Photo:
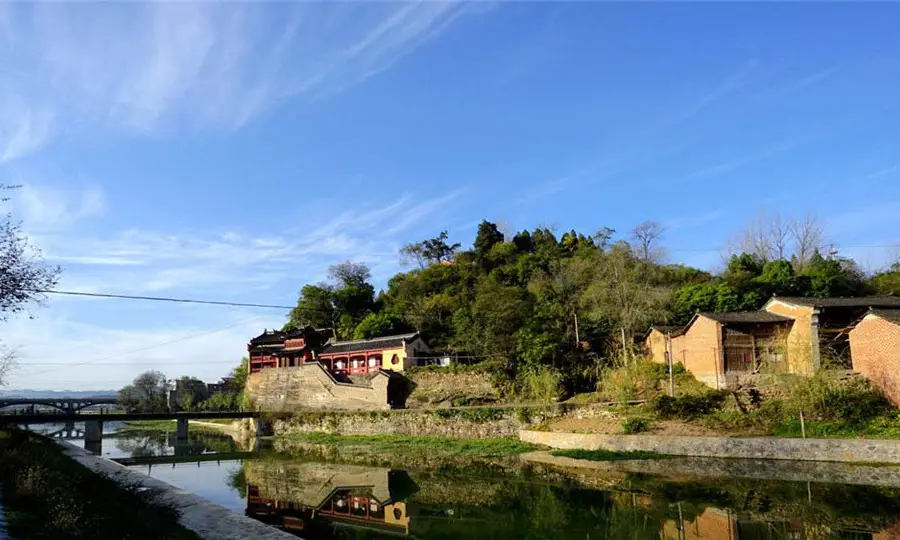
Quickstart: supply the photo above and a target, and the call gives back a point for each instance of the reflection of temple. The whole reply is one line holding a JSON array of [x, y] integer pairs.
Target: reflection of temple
[[329, 494]]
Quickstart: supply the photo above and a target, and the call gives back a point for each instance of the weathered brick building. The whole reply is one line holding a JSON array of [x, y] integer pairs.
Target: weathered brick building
[[821, 326], [714, 346], [875, 348]]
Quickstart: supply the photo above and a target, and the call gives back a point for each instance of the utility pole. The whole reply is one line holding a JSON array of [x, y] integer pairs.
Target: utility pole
[[577, 337], [624, 346], [670, 362]]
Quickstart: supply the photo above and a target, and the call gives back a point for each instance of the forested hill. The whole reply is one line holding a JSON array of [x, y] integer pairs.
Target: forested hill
[[541, 303]]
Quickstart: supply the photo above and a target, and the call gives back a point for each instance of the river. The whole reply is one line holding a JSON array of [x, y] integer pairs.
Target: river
[[320, 498]]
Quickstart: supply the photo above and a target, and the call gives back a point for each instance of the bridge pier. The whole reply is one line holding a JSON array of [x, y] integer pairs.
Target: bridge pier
[[93, 436], [182, 431]]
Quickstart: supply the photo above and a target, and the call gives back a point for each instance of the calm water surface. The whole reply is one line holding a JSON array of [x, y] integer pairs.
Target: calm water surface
[[329, 500]]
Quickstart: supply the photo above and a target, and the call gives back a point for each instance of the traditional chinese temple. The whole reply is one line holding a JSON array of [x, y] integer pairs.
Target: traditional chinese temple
[[278, 349]]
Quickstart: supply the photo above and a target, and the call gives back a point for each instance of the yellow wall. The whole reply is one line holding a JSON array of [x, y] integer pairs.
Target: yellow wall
[[712, 524], [386, 359], [802, 340], [656, 346], [700, 350]]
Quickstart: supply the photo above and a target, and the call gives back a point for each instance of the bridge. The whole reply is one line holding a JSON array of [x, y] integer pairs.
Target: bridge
[[93, 422], [66, 405]]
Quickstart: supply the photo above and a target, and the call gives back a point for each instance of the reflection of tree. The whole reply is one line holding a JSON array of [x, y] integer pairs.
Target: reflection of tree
[[162, 443], [237, 480]]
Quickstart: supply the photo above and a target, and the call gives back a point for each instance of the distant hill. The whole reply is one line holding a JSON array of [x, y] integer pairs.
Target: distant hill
[[52, 394]]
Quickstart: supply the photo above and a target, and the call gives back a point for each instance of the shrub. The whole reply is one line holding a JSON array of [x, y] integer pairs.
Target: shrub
[[542, 384], [639, 379], [687, 407], [635, 425]]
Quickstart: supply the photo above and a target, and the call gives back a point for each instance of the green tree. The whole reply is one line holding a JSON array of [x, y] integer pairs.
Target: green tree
[[315, 307], [380, 324], [488, 235], [887, 282], [239, 375], [147, 393], [489, 326]]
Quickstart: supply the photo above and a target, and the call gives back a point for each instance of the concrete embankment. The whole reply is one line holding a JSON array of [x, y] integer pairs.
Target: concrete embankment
[[209, 520], [821, 472], [842, 450]]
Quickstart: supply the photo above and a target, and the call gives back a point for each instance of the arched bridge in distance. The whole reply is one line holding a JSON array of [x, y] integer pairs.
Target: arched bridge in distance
[[68, 406]]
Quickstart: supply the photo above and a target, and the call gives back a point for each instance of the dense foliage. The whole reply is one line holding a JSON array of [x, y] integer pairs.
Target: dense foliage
[[544, 312]]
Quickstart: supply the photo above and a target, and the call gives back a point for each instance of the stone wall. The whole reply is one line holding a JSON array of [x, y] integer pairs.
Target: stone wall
[[875, 348], [462, 422], [435, 387], [309, 386], [849, 450]]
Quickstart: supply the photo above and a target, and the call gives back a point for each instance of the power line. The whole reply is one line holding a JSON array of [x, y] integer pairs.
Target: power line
[[151, 346], [159, 299]]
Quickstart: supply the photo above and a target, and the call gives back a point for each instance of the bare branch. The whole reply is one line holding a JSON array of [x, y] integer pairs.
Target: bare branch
[[646, 236], [807, 234]]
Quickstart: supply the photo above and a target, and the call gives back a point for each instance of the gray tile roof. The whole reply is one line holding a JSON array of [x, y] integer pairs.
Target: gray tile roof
[[892, 315], [745, 317], [859, 301], [385, 342]]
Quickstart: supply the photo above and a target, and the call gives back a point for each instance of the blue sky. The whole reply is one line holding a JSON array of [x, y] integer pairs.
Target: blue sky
[[234, 151]]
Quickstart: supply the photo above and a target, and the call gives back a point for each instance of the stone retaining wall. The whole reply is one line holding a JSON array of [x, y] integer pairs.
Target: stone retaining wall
[[847, 450], [209, 520], [450, 422], [309, 386], [826, 472]]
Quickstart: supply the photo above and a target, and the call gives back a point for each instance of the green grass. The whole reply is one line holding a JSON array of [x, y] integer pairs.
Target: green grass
[[608, 455], [401, 445], [50, 496]]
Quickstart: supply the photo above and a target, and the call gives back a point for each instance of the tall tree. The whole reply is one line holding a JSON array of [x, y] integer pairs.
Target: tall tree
[[7, 362], [315, 307], [646, 237], [437, 250], [147, 393], [414, 252], [488, 235], [23, 274]]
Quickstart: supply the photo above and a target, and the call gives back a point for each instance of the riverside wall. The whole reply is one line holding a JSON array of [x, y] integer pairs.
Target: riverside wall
[[309, 386], [845, 450], [463, 422], [208, 520]]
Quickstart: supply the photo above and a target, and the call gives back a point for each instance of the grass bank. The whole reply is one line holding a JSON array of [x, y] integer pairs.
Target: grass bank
[[831, 404], [608, 455], [412, 447], [47, 495]]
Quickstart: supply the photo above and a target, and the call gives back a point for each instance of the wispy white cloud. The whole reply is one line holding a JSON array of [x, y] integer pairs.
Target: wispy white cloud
[[887, 171], [152, 68], [93, 356], [730, 85], [213, 262], [695, 220], [742, 161]]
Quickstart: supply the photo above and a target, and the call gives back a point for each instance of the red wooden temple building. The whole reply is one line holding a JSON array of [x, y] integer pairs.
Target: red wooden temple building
[[277, 349]]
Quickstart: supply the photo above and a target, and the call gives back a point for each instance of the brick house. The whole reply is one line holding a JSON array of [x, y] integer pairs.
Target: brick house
[[875, 349], [821, 327], [716, 346], [657, 339]]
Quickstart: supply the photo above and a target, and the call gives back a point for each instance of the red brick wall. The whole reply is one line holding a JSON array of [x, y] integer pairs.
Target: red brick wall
[[875, 351]]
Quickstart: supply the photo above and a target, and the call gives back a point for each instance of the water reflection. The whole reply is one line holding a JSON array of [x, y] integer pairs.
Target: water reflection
[[328, 500]]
